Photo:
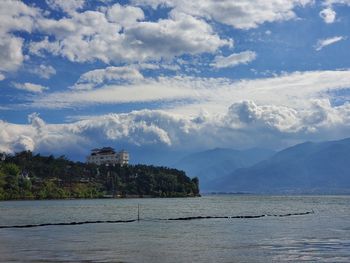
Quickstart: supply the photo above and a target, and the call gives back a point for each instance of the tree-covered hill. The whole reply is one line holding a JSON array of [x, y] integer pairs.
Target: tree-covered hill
[[28, 176]]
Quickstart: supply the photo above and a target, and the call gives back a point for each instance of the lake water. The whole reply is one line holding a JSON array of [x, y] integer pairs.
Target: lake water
[[323, 236]]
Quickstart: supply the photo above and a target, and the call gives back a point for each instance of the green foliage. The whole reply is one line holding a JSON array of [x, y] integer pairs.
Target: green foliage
[[11, 183], [2, 184], [50, 190], [28, 176]]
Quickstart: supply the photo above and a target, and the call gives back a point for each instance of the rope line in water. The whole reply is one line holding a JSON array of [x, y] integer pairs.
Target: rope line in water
[[71, 223], [157, 219], [237, 217]]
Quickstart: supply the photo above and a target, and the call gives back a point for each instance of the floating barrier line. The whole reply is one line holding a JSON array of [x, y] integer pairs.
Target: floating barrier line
[[71, 223], [237, 217], [158, 219]]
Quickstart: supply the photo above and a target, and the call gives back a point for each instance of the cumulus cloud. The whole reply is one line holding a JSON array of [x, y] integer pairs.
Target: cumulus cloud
[[243, 124], [244, 14], [279, 118], [67, 6], [328, 41], [121, 34], [136, 128], [126, 16], [43, 71], [111, 37], [23, 143], [175, 36], [2, 77], [11, 56], [14, 16], [234, 59], [328, 15], [30, 87], [11, 136]]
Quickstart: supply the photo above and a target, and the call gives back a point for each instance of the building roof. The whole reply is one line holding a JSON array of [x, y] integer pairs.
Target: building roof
[[104, 150]]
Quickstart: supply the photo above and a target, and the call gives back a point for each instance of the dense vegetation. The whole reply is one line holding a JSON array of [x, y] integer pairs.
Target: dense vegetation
[[28, 176]]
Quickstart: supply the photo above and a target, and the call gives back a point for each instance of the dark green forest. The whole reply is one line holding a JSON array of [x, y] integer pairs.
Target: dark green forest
[[26, 175]]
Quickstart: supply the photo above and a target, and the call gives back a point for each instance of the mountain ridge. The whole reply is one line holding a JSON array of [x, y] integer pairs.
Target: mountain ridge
[[321, 167], [209, 165]]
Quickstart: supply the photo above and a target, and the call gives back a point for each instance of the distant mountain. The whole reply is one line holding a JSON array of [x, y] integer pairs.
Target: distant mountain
[[305, 168], [213, 164]]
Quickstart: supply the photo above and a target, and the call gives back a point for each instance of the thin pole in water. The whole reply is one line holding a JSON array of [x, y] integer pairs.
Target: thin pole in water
[[138, 212]]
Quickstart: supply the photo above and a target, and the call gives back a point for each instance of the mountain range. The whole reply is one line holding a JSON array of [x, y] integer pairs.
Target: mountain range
[[213, 164], [322, 167]]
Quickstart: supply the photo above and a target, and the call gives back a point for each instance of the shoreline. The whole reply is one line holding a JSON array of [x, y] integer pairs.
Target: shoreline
[[95, 198]]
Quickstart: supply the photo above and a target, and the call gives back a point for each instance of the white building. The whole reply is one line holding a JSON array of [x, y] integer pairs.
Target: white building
[[108, 155]]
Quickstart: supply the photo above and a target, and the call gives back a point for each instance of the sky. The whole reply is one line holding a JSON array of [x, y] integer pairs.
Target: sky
[[172, 75]]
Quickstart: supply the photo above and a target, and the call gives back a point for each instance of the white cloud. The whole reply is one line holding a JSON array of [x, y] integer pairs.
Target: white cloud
[[37, 48], [191, 95], [23, 143], [148, 90], [43, 71], [136, 128], [14, 16], [126, 16], [328, 41], [4, 108], [93, 35], [244, 124], [11, 56], [30, 87], [243, 14], [328, 15], [178, 35], [111, 74], [118, 33], [336, 2], [199, 112], [2, 77], [234, 59], [67, 6]]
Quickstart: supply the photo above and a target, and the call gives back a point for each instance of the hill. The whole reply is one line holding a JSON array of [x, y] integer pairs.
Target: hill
[[28, 176], [304, 168], [213, 164]]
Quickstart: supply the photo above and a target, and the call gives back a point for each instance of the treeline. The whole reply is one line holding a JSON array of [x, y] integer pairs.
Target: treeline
[[28, 176]]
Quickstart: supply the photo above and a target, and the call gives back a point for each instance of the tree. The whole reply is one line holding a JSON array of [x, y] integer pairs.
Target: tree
[[49, 177], [2, 184], [11, 187]]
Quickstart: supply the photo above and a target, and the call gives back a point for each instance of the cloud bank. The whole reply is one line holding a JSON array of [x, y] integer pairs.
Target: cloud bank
[[191, 95], [244, 124], [280, 112]]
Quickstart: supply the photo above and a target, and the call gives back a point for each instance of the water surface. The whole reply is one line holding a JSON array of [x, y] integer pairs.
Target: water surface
[[320, 237]]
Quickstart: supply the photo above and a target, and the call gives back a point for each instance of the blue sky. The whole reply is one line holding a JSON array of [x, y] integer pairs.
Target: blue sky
[[172, 74]]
